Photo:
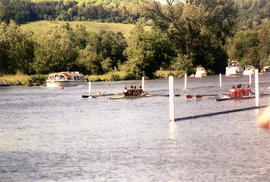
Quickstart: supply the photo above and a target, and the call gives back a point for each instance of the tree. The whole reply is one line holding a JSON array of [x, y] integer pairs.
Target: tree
[[147, 52], [108, 48], [89, 62], [17, 48], [17, 10], [55, 51], [198, 28], [244, 48]]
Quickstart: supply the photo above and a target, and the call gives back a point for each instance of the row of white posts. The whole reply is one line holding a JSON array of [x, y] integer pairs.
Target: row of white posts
[[171, 91], [220, 80]]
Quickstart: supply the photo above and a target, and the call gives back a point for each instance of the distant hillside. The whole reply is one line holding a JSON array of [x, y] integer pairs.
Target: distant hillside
[[110, 11], [95, 2], [43, 26]]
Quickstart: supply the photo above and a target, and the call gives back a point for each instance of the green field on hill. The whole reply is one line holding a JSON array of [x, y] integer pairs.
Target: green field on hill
[[43, 26]]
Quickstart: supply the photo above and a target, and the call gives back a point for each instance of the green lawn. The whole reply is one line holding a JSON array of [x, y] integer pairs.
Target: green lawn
[[43, 26]]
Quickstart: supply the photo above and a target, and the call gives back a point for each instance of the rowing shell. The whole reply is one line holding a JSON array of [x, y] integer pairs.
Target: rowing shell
[[128, 97], [234, 98]]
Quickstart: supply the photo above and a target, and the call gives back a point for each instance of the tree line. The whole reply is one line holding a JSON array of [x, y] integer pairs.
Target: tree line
[[183, 35], [22, 11]]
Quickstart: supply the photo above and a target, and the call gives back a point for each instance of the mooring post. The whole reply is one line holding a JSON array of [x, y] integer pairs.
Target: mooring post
[[89, 88], [185, 86], [257, 94], [143, 83], [220, 80], [171, 98], [250, 79]]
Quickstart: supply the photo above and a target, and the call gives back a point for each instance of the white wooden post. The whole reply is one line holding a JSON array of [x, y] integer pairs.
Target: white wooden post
[[185, 86], [220, 80], [143, 83], [171, 98], [257, 94], [250, 79], [89, 88]]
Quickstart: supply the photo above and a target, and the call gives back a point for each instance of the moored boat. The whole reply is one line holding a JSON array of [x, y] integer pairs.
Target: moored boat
[[65, 79], [233, 69], [200, 72], [266, 69], [4, 84], [249, 70]]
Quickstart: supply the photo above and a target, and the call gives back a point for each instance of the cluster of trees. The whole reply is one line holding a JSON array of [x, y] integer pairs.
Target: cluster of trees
[[61, 48], [253, 13], [184, 35], [251, 47], [22, 11]]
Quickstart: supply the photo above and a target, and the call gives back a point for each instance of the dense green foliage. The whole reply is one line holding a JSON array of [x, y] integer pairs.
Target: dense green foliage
[[198, 30], [184, 35], [22, 11], [148, 51], [16, 49]]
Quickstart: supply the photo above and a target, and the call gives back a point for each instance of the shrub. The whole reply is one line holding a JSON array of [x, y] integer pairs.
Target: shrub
[[36, 80]]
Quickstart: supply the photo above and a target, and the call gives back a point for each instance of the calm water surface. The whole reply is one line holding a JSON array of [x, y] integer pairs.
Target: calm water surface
[[55, 135]]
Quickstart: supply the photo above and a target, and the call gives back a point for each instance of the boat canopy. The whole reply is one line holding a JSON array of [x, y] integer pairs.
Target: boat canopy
[[66, 76]]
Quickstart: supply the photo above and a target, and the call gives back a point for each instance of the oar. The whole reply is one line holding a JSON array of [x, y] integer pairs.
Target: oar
[[164, 95]]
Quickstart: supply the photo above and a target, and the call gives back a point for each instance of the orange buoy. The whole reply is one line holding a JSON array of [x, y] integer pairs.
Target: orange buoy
[[264, 119]]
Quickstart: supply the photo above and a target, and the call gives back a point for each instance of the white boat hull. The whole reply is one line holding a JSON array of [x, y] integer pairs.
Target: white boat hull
[[248, 72], [200, 74], [233, 71], [65, 83]]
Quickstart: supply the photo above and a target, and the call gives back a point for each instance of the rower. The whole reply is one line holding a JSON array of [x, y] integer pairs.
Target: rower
[[239, 91], [131, 91], [140, 90], [232, 92], [135, 91], [126, 91], [247, 91]]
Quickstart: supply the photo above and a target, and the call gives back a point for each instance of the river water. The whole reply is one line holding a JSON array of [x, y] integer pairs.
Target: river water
[[51, 135]]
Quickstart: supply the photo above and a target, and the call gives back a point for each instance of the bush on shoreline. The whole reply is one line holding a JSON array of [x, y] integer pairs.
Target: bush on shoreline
[[39, 79], [167, 73]]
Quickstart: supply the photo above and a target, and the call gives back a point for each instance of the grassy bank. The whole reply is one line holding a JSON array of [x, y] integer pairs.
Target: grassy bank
[[21, 79], [43, 26], [18, 79], [111, 76]]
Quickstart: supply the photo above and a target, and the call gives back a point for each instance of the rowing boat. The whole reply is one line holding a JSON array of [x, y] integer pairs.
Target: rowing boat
[[122, 96], [225, 98]]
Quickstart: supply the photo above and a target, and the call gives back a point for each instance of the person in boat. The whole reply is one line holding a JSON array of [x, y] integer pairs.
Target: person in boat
[[126, 91], [135, 91], [247, 91], [232, 92], [140, 90], [239, 91], [130, 91]]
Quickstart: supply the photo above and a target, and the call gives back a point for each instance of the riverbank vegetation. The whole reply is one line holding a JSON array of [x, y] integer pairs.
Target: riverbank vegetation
[[176, 36]]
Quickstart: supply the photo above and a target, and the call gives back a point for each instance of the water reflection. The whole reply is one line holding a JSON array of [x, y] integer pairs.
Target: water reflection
[[172, 131]]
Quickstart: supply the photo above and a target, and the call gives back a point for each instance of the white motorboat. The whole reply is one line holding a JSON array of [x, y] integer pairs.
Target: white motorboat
[[266, 69], [200, 72], [233, 69], [65, 79], [249, 70]]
